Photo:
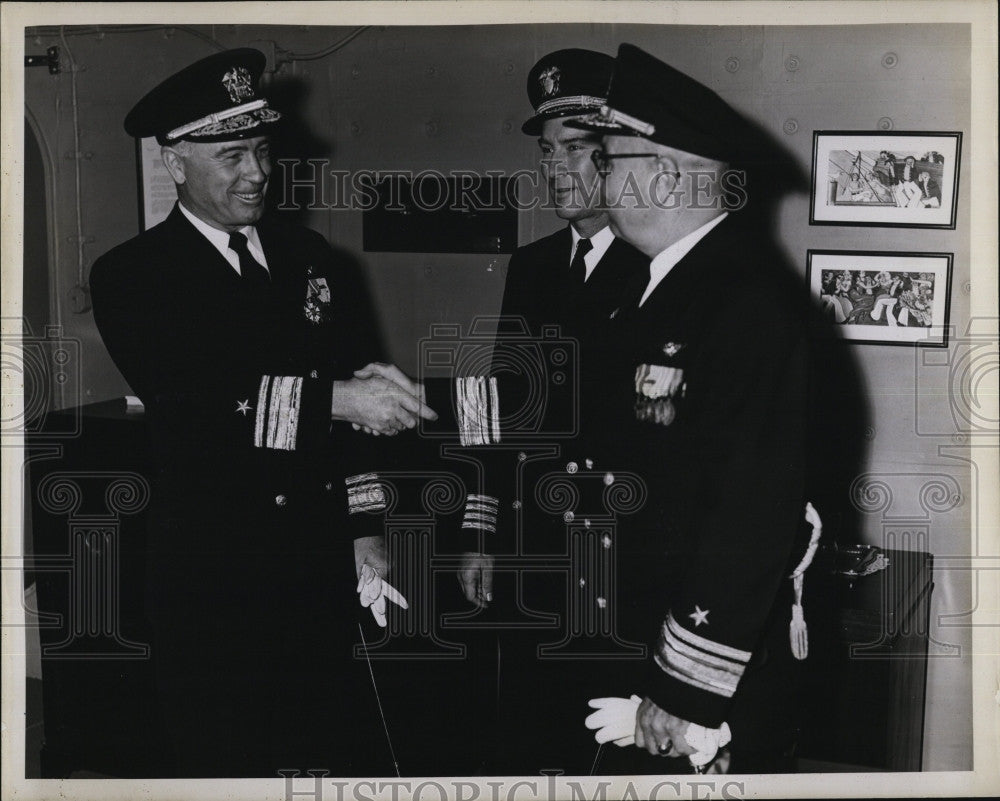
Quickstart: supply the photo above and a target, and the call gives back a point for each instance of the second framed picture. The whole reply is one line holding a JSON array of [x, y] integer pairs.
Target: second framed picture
[[884, 298], [905, 179]]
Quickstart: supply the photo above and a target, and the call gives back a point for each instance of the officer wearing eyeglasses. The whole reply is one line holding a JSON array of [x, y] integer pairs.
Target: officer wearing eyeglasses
[[707, 401]]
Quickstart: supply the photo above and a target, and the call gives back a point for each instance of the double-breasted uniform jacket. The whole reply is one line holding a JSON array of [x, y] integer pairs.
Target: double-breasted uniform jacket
[[562, 325], [707, 400], [236, 383], [250, 544]]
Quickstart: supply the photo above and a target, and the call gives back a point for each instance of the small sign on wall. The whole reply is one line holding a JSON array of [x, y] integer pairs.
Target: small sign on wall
[[157, 193]]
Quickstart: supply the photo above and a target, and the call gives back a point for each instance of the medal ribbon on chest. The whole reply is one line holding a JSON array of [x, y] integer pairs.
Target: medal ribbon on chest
[[318, 299], [656, 386]]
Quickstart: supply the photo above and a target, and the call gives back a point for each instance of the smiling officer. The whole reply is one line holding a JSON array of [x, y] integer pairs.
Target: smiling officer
[[235, 332]]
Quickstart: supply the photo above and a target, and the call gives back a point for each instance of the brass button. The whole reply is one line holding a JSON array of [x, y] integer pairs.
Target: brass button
[[280, 500]]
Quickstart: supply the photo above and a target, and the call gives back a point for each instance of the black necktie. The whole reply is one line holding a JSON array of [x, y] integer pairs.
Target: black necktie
[[253, 271], [578, 267]]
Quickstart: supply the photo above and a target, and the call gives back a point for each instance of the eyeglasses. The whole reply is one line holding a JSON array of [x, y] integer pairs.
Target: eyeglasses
[[603, 160]]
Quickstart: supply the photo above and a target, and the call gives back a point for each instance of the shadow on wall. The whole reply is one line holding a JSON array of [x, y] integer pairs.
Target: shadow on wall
[[840, 415], [294, 139]]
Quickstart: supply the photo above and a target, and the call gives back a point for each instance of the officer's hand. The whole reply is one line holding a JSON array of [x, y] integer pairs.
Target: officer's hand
[[372, 564], [394, 374], [378, 403], [475, 577], [371, 551], [659, 732]]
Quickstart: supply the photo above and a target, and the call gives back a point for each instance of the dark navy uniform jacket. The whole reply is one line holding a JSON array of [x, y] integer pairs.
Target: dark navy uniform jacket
[[250, 581], [558, 328], [707, 402], [237, 383]]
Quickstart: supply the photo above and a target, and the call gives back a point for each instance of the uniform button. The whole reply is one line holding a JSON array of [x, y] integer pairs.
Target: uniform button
[[515, 505], [522, 456], [586, 523], [589, 463], [602, 602], [583, 583], [606, 541], [572, 467], [280, 500], [568, 517], [329, 486], [313, 374], [609, 479]]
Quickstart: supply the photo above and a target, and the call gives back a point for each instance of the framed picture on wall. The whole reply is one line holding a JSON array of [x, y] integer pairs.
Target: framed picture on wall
[[157, 193], [884, 298], [899, 179]]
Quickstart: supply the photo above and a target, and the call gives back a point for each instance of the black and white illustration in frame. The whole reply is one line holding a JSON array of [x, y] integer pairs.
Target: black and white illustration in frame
[[898, 179], [885, 298]]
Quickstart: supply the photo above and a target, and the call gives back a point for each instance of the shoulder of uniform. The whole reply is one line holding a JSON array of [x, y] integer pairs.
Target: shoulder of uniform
[[544, 244], [624, 253], [132, 254]]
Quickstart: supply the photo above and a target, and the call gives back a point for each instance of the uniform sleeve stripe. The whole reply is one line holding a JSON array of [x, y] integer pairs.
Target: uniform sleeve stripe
[[365, 494], [262, 395], [494, 409], [481, 513], [704, 644], [492, 529], [696, 680], [669, 645], [478, 406], [361, 478], [277, 422], [484, 499]]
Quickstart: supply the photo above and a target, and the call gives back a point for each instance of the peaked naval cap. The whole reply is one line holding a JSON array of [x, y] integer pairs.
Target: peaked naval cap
[[567, 83], [651, 99], [213, 100]]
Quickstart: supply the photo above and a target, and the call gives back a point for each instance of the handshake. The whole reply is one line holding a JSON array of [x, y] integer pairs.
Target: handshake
[[380, 399]]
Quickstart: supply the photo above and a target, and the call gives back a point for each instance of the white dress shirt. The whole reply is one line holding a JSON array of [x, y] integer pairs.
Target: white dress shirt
[[665, 260], [220, 240], [599, 244]]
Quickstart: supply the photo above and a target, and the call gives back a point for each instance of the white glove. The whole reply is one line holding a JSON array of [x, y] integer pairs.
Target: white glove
[[614, 719], [374, 590], [615, 722]]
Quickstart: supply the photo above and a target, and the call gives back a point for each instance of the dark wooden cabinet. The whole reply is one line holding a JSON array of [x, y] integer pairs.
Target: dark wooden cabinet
[[867, 666]]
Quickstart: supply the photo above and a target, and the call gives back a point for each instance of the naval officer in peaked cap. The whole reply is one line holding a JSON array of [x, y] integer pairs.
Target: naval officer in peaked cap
[[707, 398], [558, 295], [567, 281], [235, 331]]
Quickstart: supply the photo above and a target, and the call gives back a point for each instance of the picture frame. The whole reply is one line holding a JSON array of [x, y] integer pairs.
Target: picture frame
[[157, 193], [884, 297], [898, 179]]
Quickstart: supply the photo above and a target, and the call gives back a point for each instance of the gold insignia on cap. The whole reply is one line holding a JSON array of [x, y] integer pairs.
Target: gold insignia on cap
[[238, 84], [549, 79]]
